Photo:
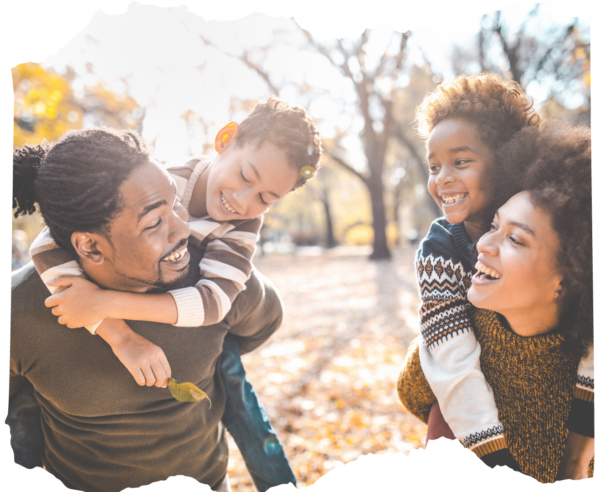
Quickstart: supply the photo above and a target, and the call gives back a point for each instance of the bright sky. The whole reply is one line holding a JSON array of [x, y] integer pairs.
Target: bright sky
[[158, 49]]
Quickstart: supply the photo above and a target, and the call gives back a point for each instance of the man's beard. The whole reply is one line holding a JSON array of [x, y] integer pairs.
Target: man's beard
[[188, 277]]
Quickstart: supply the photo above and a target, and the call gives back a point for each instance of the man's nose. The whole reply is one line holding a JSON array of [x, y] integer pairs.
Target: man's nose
[[179, 228]]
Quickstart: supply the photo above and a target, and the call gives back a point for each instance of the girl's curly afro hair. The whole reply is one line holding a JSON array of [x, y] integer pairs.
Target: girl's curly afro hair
[[497, 108], [555, 166]]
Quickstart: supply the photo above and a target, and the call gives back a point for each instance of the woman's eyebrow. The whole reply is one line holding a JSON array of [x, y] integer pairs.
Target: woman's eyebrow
[[525, 227]]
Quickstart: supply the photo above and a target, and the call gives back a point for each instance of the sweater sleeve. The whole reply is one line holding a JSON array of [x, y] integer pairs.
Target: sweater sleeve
[[224, 270], [450, 353], [51, 261], [581, 416]]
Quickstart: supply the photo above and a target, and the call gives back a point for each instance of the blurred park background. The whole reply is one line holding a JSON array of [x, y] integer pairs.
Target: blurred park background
[[341, 248]]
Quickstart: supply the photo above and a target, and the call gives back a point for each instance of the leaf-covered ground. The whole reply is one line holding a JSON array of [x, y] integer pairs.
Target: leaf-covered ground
[[327, 377]]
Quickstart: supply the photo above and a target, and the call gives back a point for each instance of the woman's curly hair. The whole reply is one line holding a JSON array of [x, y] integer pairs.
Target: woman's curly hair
[[497, 108], [555, 165], [288, 127]]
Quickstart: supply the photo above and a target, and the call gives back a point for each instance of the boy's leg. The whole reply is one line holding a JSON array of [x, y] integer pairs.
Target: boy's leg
[[248, 424], [24, 420]]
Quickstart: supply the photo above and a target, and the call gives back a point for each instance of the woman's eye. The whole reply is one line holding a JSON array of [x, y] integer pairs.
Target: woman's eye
[[514, 240], [243, 177]]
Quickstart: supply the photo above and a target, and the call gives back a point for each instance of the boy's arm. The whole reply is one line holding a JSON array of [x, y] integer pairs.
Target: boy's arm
[[451, 358], [51, 262], [224, 271]]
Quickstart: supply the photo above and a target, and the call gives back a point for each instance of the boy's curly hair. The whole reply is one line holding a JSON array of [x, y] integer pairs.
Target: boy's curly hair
[[497, 108], [558, 175], [288, 127]]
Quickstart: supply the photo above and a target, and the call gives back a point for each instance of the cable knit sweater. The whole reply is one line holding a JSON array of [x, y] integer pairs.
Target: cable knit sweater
[[533, 383]]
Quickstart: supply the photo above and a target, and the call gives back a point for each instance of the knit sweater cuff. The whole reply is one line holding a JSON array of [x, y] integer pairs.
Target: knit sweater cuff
[[487, 442], [501, 457], [581, 417], [190, 310]]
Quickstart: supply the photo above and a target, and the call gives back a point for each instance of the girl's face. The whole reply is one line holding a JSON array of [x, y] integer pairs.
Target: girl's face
[[457, 163], [518, 275]]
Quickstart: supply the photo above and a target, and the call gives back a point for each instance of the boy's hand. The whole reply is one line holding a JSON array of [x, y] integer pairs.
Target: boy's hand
[[81, 303], [145, 361]]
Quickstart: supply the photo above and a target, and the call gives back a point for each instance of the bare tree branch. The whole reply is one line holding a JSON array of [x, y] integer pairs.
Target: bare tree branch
[[345, 165]]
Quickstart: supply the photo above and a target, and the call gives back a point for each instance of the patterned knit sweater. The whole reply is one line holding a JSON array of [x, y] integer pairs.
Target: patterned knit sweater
[[451, 359], [533, 384], [225, 267]]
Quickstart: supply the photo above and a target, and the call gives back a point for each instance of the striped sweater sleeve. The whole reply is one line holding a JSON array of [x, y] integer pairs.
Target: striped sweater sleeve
[[449, 354], [51, 261], [224, 270], [581, 416]]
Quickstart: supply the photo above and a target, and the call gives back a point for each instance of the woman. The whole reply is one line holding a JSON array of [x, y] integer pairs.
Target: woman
[[534, 288]]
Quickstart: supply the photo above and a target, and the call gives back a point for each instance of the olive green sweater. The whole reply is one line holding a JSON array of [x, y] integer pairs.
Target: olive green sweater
[[103, 432], [532, 381]]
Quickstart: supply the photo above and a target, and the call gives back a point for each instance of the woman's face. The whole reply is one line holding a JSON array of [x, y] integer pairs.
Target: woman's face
[[518, 273]]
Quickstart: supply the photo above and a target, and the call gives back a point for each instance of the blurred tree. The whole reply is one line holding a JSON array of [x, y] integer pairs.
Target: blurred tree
[[554, 57], [376, 86]]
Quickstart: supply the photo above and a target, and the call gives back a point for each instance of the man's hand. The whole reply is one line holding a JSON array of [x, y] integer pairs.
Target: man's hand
[[81, 303], [145, 361]]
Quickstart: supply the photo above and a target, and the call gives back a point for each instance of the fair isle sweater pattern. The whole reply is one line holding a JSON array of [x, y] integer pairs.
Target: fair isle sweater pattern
[[224, 268], [451, 357]]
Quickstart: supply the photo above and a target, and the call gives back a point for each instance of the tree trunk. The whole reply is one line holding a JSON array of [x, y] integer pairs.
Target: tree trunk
[[380, 247], [330, 241]]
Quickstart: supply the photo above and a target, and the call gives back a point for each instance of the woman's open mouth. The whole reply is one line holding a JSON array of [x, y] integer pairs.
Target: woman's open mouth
[[227, 206], [485, 274]]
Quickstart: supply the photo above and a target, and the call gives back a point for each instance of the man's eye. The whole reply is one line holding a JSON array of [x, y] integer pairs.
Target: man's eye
[[177, 202], [243, 177], [155, 225]]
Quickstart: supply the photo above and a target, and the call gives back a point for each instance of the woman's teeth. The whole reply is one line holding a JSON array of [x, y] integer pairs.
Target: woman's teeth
[[227, 206], [452, 198], [486, 270], [176, 256]]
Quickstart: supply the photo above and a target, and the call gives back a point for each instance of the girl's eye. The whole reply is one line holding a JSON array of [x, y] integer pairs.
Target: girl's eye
[[433, 169], [261, 199], [460, 162], [493, 227], [243, 177]]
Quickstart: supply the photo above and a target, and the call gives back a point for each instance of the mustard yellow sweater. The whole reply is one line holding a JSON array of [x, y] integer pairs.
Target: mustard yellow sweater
[[533, 383]]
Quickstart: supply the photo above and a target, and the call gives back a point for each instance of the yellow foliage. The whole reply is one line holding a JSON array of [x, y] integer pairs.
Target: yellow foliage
[[360, 235], [44, 105]]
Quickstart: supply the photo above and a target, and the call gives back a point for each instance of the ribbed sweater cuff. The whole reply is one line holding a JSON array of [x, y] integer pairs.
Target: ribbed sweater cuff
[[190, 310], [92, 328], [581, 417], [489, 445], [501, 457]]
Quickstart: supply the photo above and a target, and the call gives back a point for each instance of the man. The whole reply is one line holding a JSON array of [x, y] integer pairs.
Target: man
[[103, 432]]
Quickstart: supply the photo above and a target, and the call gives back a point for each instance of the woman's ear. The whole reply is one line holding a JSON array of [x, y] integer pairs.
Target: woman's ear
[[87, 247], [226, 135]]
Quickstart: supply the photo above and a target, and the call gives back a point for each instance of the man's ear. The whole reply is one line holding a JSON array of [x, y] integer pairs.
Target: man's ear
[[226, 135], [87, 247]]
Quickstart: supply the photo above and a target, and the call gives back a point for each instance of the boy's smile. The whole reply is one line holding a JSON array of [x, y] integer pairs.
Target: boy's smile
[[457, 162]]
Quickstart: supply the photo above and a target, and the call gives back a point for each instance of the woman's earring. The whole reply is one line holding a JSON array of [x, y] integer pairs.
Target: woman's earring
[[556, 294]]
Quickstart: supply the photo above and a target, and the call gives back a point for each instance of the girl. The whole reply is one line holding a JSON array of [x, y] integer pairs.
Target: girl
[[465, 122]]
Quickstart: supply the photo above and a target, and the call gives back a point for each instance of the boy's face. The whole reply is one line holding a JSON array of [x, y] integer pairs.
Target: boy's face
[[243, 182], [457, 163]]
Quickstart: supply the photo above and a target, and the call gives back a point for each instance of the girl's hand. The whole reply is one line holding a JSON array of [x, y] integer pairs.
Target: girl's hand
[[145, 361], [81, 303]]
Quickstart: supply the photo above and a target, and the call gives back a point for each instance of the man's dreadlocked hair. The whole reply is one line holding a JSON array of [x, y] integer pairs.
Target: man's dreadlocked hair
[[289, 127], [76, 180], [556, 168]]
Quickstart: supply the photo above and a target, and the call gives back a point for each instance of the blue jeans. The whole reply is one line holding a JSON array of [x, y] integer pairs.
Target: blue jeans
[[244, 417]]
